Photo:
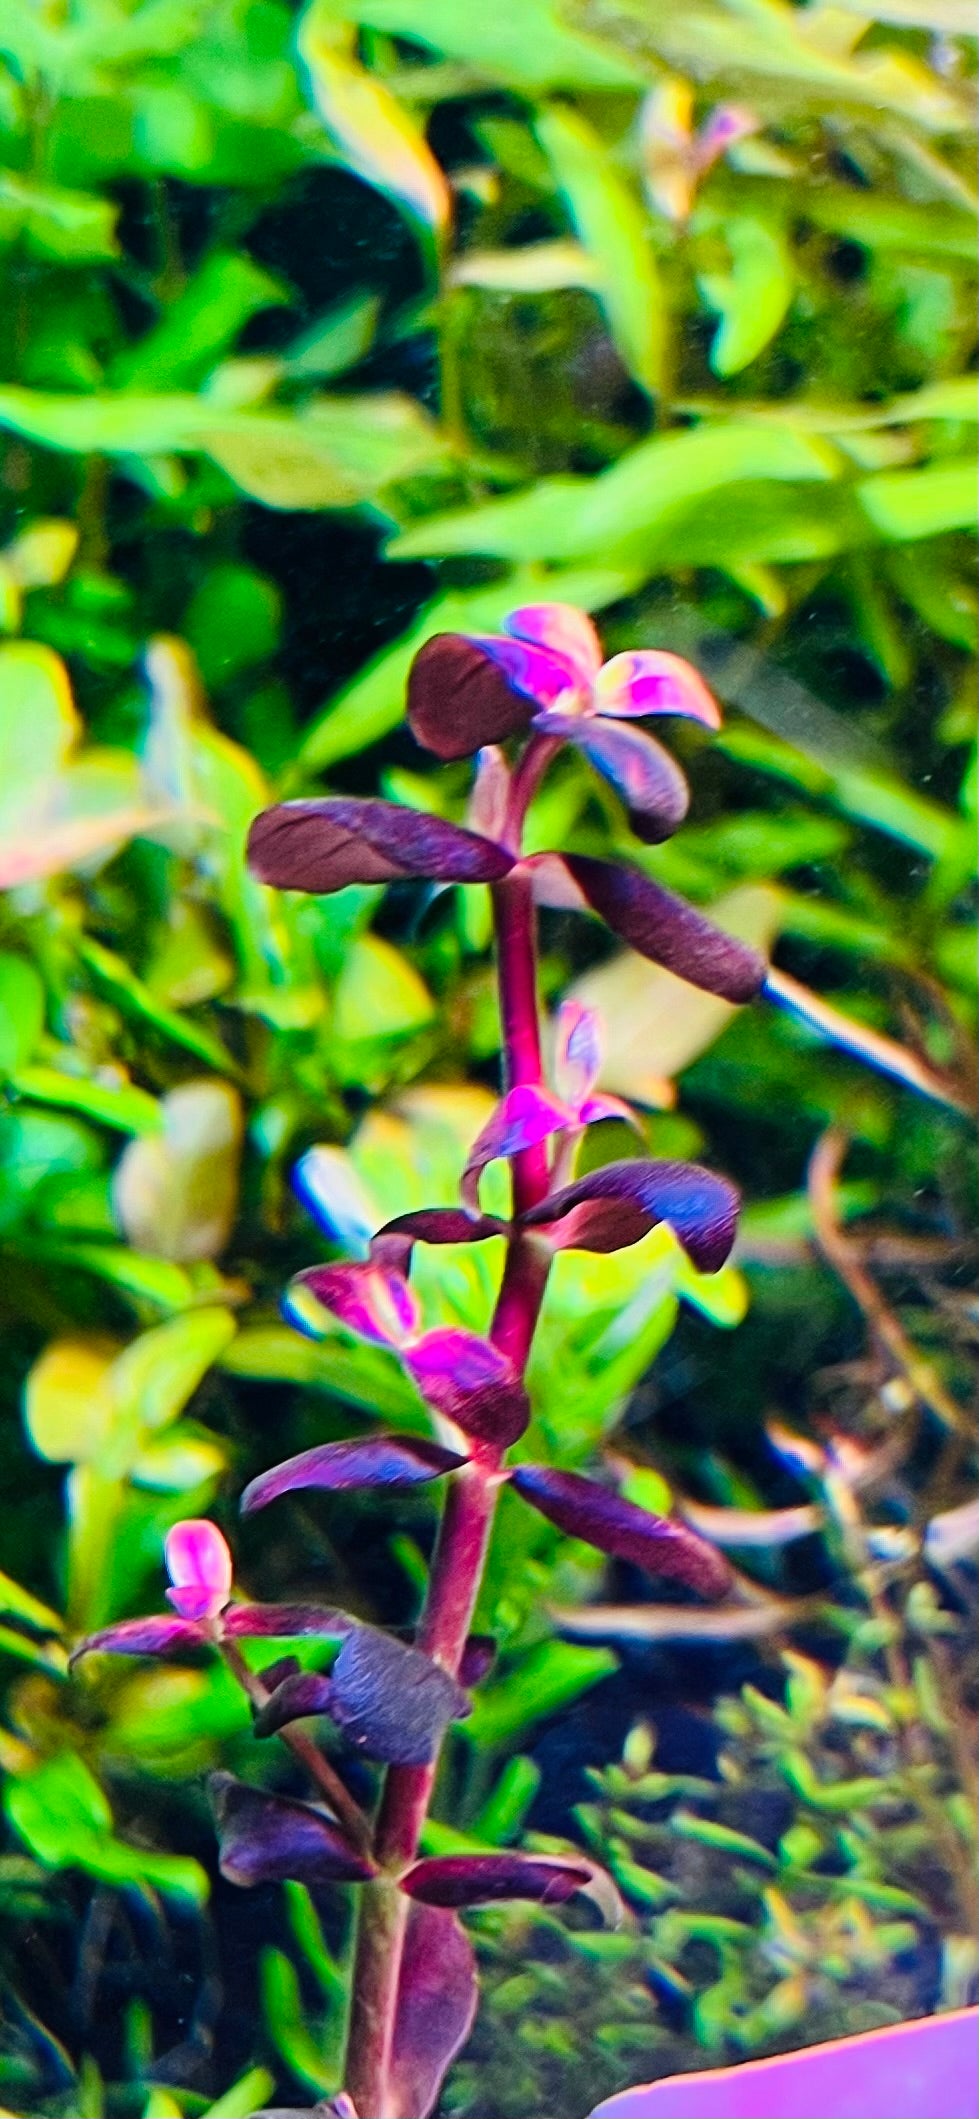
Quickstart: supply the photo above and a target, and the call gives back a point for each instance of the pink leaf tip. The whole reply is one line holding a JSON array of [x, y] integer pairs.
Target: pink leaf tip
[[200, 1568]]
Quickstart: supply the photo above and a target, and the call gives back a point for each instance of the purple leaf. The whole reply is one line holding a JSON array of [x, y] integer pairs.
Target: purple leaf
[[285, 1622], [324, 845], [478, 1657], [392, 1702], [536, 672], [301, 1693], [154, 1636], [479, 1879], [654, 922], [615, 1206], [265, 1839], [470, 1382], [459, 701], [563, 629], [578, 1051], [366, 1297], [437, 1997], [648, 681], [523, 1117], [924, 2070], [585, 1510], [378, 1460], [393, 1244], [648, 780]]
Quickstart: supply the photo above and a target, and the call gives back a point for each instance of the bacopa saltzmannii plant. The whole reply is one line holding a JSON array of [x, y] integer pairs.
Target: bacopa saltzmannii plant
[[540, 685]]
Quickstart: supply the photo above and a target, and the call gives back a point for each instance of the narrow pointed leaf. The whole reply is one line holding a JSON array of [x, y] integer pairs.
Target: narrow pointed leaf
[[154, 1636], [392, 1702], [459, 701], [300, 1693], [377, 1460], [470, 1382], [585, 1510], [648, 681], [878, 1051], [285, 1622], [660, 926], [480, 1879], [523, 1117], [265, 1839], [648, 780], [563, 629], [367, 1298], [322, 846], [616, 1205], [437, 1996]]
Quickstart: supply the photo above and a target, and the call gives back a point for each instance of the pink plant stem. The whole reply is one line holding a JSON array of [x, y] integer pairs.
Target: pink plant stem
[[463, 1539]]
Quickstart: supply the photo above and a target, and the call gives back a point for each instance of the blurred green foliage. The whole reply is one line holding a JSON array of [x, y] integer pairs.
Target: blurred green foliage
[[323, 331]]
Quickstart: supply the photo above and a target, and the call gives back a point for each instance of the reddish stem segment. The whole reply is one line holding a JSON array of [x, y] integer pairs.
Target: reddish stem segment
[[464, 1534]]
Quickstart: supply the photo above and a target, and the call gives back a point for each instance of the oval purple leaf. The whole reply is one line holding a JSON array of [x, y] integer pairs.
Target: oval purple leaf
[[437, 1995], [655, 923], [266, 1839], [368, 1298], [615, 1206], [479, 1879], [585, 1510], [459, 701], [642, 773], [323, 845], [285, 1622], [651, 681], [154, 1636], [562, 628], [471, 1383], [392, 1702], [377, 1460]]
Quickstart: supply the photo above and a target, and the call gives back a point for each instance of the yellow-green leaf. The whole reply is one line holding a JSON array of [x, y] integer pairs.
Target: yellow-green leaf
[[611, 225], [377, 137]]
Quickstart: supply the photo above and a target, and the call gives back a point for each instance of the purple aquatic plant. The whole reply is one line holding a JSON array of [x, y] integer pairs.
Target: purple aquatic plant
[[540, 685]]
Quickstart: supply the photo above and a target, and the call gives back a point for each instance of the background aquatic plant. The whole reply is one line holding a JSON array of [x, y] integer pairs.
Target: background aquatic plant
[[699, 323]]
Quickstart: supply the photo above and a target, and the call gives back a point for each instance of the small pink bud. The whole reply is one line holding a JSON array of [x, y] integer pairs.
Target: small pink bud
[[199, 1566]]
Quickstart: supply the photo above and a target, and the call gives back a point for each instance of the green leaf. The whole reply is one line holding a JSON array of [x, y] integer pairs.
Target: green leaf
[[376, 135], [19, 1603], [154, 1377], [904, 505], [39, 728], [122, 1105], [523, 44], [220, 298], [74, 227], [245, 2096], [379, 993], [21, 1011], [610, 224], [753, 297], [116, 978], [721, 1837], [62, 1814], [568, 518], [546, 1678]]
